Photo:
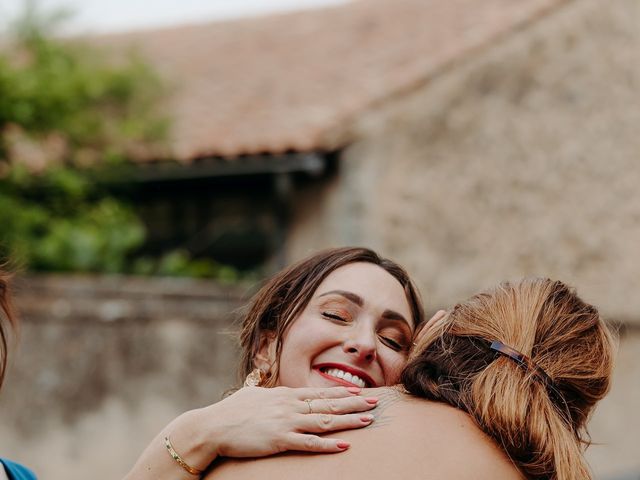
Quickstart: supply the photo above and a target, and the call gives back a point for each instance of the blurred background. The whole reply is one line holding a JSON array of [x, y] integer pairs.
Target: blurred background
[[156, 164]]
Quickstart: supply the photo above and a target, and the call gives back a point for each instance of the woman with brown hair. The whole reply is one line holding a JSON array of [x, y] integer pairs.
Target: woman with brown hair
[[501, 387], [8, 321], [340, 320]]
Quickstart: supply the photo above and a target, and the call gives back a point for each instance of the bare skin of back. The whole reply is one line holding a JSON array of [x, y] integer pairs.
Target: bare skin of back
[[410, 439]]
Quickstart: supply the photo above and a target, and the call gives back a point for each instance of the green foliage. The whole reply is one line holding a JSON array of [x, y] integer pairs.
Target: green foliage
[[59, 221], [70, 116], [178, 263], [64, 107], [102, 110]]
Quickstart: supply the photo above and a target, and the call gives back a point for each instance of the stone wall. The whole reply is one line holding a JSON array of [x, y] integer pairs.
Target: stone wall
[[105, 362]]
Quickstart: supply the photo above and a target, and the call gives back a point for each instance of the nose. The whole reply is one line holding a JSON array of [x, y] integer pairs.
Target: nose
[[362, 345]]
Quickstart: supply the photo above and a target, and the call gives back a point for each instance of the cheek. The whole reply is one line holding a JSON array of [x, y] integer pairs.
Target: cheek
[[293, 357], [285, 373], [394, 363]]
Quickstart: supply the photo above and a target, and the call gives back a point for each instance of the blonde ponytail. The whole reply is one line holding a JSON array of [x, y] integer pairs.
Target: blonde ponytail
[[537, 409]]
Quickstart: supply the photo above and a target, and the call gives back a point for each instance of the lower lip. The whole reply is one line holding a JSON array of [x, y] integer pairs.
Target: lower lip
[[337, 380]]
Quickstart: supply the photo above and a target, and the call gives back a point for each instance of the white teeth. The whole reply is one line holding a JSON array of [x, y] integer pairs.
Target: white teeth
[[346, 376], [358, 381]]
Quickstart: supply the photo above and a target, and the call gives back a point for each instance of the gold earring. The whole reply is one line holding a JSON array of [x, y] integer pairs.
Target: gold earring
[[255, 378]]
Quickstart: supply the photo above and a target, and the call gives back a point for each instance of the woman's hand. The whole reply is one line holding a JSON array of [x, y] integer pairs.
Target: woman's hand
[[254, 422]]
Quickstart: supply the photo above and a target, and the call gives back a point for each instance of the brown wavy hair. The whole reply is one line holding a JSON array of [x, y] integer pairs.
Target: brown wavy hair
[[539, 419], [279, 302], [8, 320]]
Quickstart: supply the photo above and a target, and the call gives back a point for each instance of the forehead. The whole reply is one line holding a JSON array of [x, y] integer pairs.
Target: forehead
[[377, 287]]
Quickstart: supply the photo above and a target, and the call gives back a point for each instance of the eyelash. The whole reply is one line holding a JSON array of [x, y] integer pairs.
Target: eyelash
[[392, 344], [333, 316]]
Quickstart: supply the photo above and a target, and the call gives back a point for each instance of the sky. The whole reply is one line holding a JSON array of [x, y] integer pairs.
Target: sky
[[99, 16]]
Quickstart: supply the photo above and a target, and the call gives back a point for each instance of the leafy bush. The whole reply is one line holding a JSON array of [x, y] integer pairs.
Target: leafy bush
[[178, 263], [70, 117], [58, 221]]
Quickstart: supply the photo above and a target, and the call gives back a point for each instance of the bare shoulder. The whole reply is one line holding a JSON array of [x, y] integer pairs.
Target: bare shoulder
[[410, 438], [444, 440]]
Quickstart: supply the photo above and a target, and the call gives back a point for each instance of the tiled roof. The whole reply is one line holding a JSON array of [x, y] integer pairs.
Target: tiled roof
[[292, 82]]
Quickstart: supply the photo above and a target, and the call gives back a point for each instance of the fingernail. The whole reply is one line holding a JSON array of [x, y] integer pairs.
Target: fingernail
[[354, 389], [371, 400], [343, 445], [366, 418]]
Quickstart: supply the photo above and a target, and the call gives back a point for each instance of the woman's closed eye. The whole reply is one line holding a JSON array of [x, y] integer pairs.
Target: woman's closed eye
[[394, 339], [337, 316], [391, 343]]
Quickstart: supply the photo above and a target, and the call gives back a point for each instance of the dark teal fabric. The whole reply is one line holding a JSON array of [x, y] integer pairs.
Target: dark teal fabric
[[16, 471]]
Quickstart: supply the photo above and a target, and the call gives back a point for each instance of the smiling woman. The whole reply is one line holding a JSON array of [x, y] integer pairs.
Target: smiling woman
[[355, 331], [369, 300], [317, 332]]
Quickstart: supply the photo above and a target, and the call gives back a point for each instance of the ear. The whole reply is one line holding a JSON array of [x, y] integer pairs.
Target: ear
[[440, 314], [265, 357]]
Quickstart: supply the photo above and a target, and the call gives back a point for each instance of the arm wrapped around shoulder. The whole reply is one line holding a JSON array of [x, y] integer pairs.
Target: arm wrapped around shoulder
[[528, 361]]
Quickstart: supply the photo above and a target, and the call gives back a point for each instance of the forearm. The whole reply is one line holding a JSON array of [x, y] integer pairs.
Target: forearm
[[254, 422], [195, 444]]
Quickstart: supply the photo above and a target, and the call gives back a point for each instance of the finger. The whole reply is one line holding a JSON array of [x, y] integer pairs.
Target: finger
[[330, 392], [338, 406], [325, 422], [312, 443]]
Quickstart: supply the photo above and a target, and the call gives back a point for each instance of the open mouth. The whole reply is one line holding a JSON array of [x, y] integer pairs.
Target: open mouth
[[344, 376]]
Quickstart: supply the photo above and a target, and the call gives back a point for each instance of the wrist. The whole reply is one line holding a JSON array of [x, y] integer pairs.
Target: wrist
[[192, 439], [213, 429], [179, 460]]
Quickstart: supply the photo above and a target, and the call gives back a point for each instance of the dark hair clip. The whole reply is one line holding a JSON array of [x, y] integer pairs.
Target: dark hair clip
[[507, 351], [538, 372], [521, 360]]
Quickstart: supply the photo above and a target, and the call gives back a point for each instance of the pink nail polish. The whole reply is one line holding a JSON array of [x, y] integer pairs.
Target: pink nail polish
[[343, 445], [366, 418], [354, 389], [371, 400]]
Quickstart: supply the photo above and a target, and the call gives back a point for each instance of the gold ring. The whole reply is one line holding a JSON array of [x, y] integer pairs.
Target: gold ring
[[308, 400]]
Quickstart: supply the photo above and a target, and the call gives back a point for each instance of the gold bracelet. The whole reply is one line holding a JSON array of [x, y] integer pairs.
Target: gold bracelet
[[178, 458]]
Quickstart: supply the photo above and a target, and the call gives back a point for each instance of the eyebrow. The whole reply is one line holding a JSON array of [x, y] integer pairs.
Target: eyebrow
[[358, 300]]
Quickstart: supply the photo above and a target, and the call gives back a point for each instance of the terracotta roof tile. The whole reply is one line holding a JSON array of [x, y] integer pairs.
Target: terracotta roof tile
[[287, 82]]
